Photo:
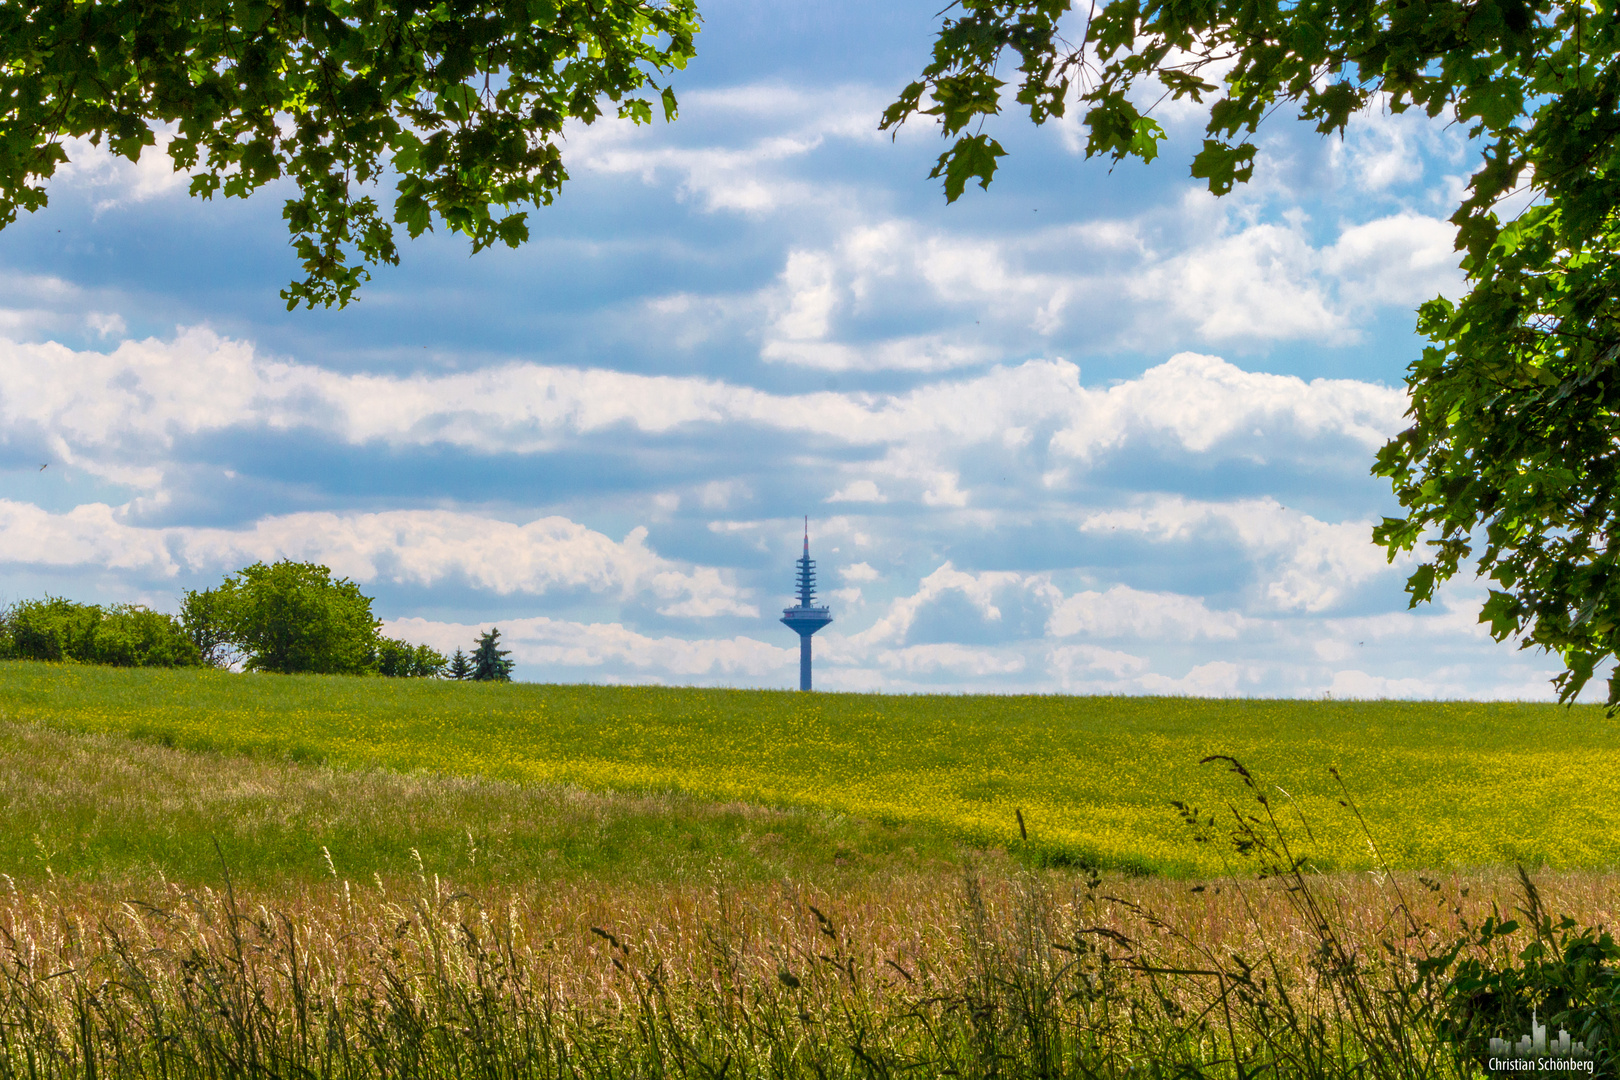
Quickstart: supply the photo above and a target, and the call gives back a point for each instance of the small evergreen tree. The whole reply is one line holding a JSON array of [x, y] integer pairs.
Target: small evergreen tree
[[460, 667], [490, 664]]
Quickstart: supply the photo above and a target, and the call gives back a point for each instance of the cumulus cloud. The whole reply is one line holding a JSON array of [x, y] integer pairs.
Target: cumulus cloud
[[542, 643], [858, 491], [1382, 150], [116, 413], [1269, 280], [820, 293], [960, 660], [1199, 401], [416, 547], [1218, 678], [118, 181], [1203, 271], [979, 589], [1400, 260], [1309, 564], [1122, 611], [93, 535], [1079, 666], [736, 148], [1119, 611], [1256, 283], [1354, 683]]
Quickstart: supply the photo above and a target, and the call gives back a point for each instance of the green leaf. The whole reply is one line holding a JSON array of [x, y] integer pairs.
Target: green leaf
[[1223, 165], [971, 157]]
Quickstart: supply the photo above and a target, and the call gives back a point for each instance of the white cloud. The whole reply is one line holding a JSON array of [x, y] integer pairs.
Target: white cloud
[[1309, 563], [979, 589], [1218, 678], [1208, 270], [1354, 683], [720, 494], [1381, 150], [759, 133], [418, 547], [116, 413], [1199, 401], [961, 660], [541, 643], [105, 325], [1401, 260], [858, 491], [1072, 662], [1125, 612], [1260, 282], [857, 572], [92, 535], [871, 268], [119, 180]]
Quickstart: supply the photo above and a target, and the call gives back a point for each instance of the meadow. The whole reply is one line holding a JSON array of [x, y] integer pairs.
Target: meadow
[[1440, 785], [205, 874], [534, 930]]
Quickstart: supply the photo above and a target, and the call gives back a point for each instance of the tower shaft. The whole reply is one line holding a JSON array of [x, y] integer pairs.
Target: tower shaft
[[805, 618]]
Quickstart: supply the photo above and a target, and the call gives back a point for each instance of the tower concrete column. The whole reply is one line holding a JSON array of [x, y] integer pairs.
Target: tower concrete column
[[805, 618]]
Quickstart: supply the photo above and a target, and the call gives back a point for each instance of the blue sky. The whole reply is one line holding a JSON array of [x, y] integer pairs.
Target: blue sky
[[1090, 431]]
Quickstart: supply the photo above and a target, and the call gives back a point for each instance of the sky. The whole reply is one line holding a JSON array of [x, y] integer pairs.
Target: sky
[[1093, 430]]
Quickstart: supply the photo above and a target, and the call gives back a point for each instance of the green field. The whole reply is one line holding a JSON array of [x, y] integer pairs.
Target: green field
[[1440, 784]]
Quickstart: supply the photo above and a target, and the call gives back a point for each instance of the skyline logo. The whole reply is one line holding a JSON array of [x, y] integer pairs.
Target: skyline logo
[[1533, 1052]]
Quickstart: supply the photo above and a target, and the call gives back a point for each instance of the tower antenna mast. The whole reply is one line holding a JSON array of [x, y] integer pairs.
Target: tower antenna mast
[[806, 617]]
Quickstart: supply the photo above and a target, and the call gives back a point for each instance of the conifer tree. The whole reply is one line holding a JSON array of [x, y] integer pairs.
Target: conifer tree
[[460, 667], [489, 663]]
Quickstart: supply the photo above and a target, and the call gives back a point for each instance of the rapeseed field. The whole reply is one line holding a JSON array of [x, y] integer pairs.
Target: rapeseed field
[[1452, 784]]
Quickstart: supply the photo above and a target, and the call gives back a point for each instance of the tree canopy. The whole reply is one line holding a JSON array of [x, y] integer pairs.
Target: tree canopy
[[290, 617], [1511, 462], [461, 104]]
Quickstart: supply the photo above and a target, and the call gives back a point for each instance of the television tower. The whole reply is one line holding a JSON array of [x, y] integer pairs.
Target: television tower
[[806, 618]]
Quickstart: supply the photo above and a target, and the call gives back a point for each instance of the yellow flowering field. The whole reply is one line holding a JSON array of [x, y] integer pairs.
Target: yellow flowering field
[[1449, 784]]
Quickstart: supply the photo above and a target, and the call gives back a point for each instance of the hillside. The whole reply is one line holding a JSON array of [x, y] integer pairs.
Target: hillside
[[1439, 784]]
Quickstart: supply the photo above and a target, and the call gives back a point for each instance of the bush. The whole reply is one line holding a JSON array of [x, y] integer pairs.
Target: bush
[[133, 636], [54, 629], [125, 635], [402, 660]]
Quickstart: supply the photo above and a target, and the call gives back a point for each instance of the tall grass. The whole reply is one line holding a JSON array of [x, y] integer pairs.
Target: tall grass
[[1275, 971], [1017, 980]]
